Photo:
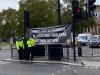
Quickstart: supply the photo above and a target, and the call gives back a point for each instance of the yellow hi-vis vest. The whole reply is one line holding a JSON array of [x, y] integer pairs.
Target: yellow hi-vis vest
[[32, 41], [19, 44], [29, 43]]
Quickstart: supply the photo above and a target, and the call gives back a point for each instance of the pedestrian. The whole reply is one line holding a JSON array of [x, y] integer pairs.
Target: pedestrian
[[20, 47], [33, 47], [68, 43], [31, 44]]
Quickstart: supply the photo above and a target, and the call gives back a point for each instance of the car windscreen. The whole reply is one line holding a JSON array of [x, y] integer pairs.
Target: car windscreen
[[95, 38], [82, 37]]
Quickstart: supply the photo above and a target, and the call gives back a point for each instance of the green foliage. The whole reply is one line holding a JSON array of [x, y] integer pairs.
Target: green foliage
[[67, 17], [7, 28], [42, 14]]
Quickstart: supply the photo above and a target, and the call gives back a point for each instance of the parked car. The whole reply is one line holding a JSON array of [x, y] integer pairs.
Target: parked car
[[95, 41], [96, 35], [84, 38]]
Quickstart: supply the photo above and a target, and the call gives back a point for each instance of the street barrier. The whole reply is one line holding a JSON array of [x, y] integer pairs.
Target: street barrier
[[39, 50], [59, 52], [79, 51], [55, 52]]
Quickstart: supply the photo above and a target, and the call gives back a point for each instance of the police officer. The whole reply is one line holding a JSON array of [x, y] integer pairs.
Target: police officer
[[20, 47], [31, 44], [33, 47]]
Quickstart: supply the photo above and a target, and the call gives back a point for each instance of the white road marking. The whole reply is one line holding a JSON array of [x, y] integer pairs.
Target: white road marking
[[85, 67], [68, 68], [64, 69], [96, 68], [52, 74], [58, 72], [91, 67]]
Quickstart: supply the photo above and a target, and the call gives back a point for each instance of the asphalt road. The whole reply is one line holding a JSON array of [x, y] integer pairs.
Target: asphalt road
[[16, 68], [24, 68]]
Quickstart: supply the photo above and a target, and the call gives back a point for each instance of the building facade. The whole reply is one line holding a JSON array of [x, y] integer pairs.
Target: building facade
[[96, 29]]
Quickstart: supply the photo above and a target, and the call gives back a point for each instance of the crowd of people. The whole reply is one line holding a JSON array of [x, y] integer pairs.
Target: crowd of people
[[25, 52]]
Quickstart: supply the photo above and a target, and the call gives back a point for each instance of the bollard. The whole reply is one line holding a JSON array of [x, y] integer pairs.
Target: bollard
[[79, 51], [11, 52], [68, 54]]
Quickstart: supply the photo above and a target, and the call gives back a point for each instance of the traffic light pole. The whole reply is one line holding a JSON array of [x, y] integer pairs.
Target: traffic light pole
[[73, 30], [59, 12], [24, 30], [26, 25]]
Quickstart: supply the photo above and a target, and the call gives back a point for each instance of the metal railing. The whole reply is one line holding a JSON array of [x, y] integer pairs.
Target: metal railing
[[67, 53]]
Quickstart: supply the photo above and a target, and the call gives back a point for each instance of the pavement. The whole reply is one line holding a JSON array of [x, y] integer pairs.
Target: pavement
[[51, 62], [5, 55], [83, 61], [90, 61]]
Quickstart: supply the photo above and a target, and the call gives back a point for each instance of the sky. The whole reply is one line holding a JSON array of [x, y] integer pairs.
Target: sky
[[98, 2], [4, 4]]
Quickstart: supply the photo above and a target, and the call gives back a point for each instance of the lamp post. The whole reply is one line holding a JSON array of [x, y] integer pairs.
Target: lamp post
[[59, 12], [26, 23]]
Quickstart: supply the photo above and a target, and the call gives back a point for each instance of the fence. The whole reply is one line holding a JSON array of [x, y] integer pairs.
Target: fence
[[65, 56], [86, 51]]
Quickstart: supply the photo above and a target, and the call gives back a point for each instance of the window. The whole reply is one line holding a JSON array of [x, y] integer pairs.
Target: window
[[98, 30], [88, 29]]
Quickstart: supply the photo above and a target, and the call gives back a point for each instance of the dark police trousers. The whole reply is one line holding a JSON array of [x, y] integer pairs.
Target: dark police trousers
[[20, 53], [30, 54]]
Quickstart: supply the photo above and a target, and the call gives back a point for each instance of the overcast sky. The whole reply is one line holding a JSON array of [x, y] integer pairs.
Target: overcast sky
[[98, 2], [4, 4]]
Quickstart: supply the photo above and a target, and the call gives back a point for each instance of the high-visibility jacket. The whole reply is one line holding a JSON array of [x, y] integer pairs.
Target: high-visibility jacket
[[30, 42], [19, 44]]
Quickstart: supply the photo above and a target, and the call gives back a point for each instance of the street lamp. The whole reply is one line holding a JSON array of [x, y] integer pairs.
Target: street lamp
[[59, 12], [26, 22]]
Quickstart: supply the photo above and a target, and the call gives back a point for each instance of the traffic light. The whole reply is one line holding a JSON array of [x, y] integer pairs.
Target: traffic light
[[26, 19], [77, 11], [91, 7]]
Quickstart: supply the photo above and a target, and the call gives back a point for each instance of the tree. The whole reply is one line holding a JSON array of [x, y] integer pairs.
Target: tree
[[42, 13], [67, 17], [8, 22]]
